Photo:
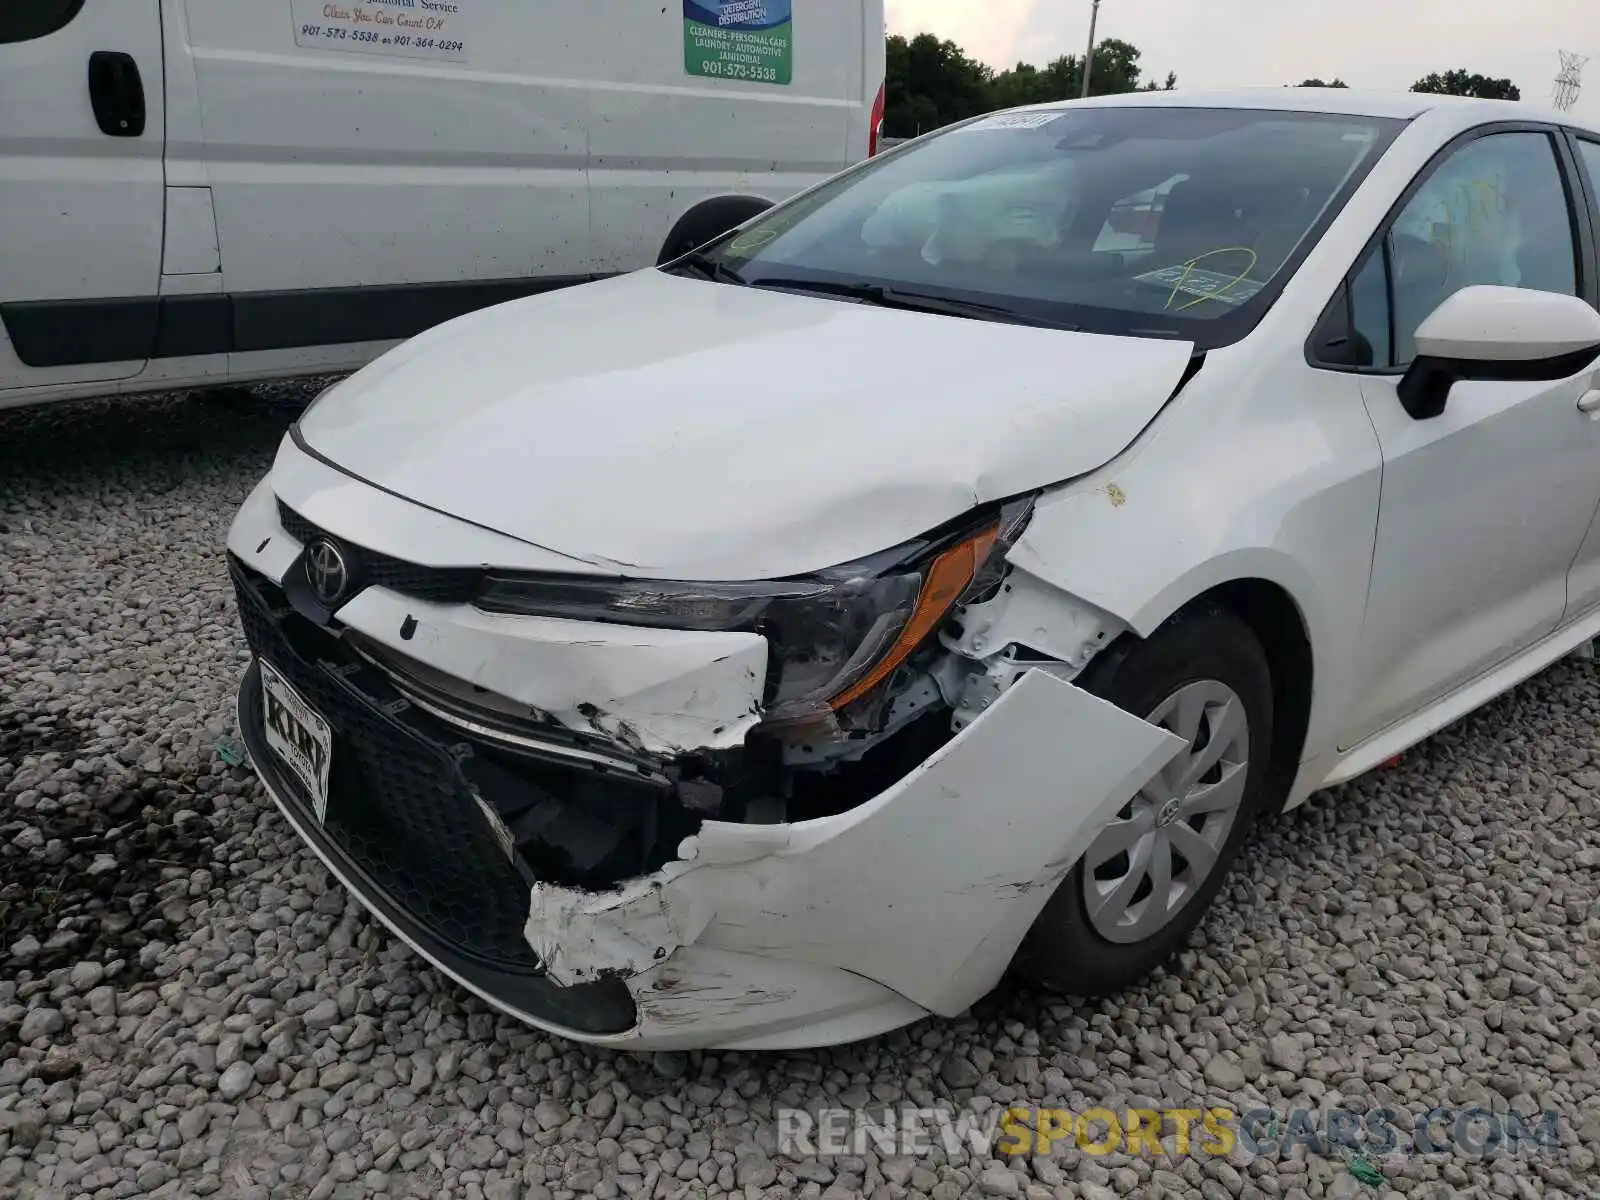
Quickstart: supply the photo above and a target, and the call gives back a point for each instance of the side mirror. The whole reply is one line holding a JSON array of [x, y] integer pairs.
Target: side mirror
[[1506, 333]]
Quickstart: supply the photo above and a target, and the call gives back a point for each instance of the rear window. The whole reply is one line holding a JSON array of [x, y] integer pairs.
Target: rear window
[[1161, 221]]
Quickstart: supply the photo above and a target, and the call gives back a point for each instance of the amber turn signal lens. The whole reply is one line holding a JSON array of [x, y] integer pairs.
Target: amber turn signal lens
[[948, 577]]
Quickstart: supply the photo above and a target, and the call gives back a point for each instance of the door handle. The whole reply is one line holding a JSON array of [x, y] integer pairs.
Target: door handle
[[1590, 401], [117, 93]]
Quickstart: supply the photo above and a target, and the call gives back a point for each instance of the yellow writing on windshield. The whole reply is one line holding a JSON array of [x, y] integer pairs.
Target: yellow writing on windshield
[[1191, 264]]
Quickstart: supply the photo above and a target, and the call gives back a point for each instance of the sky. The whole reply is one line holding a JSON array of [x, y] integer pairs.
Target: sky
[[1385, 44]]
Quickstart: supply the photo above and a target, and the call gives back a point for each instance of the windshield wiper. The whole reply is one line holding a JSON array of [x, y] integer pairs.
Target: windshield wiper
[[709, 268], [891, 297]]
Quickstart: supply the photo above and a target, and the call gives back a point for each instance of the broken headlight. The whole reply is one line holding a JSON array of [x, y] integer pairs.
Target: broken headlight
[[832, 637]]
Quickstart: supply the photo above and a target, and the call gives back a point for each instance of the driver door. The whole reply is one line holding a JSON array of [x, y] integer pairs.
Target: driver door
[[1484, 506]]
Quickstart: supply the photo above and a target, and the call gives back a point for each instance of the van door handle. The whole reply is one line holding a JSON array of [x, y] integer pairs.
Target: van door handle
[[1590, 401], [117, 93]]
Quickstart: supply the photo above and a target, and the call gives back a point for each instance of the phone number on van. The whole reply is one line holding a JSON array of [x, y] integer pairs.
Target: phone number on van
[[399, 40], [353, 25], [734, 70]]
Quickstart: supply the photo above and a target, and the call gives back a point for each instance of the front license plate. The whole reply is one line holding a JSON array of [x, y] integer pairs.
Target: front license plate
[[298, 736]]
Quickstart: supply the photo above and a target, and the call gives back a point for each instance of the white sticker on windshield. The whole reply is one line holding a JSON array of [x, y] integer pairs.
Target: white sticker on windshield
[[1208, 285], [1021, 120]]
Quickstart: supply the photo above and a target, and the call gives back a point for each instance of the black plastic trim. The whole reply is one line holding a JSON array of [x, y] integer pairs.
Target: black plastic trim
[[190, 325], [1427, 381], [1588, 185], [328, 316], [65, 333], [601, 1008]]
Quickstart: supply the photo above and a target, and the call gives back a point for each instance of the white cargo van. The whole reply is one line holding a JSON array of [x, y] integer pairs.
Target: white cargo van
[[199, 191]]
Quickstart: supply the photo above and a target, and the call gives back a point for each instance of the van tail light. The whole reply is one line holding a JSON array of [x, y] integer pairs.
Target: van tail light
[[876, 129]]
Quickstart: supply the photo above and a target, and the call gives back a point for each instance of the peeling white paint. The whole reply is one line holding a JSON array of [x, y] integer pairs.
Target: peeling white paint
[[1028, 611], [734, 1001], [701, 997], [582, 935], [927, 888], [662, 691]]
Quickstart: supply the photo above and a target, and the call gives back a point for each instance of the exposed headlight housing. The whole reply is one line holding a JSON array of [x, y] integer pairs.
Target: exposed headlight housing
[[833, 637]]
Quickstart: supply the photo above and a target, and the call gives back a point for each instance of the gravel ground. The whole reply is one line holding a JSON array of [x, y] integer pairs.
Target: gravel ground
[[190, 1006]]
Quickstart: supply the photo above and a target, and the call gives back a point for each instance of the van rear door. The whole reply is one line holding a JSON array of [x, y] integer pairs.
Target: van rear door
[[701, 98], [82, 122]]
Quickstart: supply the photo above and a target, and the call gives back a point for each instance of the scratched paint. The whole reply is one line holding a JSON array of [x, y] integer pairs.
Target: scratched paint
[[991, 817]]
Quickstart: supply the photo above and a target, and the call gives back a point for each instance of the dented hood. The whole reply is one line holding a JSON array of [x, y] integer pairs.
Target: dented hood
[[677, 428]]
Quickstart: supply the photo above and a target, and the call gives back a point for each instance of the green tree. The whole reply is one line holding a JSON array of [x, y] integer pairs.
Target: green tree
[[1334, 83], [1460, 83], [931, 83], [1021, 84], [1116, 70]]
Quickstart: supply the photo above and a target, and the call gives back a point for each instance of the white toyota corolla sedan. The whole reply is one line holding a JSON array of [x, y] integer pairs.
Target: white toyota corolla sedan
[[939, 572]]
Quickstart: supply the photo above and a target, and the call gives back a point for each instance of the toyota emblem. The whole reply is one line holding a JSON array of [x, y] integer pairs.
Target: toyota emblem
[[326, 571]]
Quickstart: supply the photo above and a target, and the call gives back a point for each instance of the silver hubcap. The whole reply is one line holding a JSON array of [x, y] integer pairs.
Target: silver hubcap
[[1148, 862]]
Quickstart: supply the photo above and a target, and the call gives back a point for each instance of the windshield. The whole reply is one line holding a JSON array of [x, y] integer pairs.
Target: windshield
[[1158, 221]]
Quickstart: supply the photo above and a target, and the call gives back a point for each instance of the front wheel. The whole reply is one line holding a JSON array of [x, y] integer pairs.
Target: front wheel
[[1147, 878]]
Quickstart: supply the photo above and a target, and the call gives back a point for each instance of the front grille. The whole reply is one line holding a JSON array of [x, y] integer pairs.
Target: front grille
[[439, 585], [400, 807]]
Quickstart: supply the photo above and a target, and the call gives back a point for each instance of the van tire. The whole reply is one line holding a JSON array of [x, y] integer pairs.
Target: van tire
[[708, 220]]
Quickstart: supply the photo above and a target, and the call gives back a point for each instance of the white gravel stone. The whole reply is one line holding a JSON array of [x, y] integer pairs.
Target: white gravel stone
[[41, 1023], [322, 1015], [1224, 1073], [213, 1016], [236, 1081], [86, 975]]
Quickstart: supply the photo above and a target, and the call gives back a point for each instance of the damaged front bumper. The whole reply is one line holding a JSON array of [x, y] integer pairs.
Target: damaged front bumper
[[532, 878]]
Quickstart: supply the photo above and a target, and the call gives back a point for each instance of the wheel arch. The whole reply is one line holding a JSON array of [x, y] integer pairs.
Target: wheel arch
[[1279, 623], [1276, 620], [707, 219]]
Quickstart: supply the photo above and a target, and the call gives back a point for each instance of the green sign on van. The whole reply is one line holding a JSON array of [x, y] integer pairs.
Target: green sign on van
[[748, 40]]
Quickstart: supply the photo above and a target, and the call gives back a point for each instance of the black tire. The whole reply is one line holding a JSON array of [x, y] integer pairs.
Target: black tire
[[708, 220], [1063, 951]]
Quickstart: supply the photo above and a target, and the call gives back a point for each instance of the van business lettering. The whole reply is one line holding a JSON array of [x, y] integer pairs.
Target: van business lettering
[[748, 40], [429, 29]]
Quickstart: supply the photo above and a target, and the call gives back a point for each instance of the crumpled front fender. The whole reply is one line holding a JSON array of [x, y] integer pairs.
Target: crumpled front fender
[[927, 888]]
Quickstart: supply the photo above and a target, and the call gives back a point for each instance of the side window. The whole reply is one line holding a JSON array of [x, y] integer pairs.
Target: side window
[[1494, 212], [1590, 152], [1369, 311], [24, 20]]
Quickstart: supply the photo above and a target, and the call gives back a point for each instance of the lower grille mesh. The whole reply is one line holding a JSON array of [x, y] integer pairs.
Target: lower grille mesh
[[399, 805]]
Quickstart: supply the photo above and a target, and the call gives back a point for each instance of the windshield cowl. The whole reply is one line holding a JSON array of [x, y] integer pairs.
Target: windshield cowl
[[886, 297]]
